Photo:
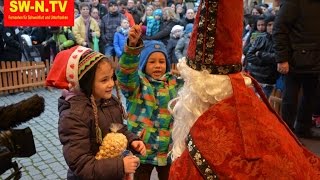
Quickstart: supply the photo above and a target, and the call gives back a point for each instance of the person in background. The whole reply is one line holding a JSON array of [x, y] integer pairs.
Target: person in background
[[95, 15], [141, 7], [176, 33], [173, 6], [179, 12], [157, 4], [256, 11], [148, 12], [109, 24], [104, 3], [85, 27], [134, 11], [123, 9], [248, 26], [10, 49], [183, 43], [261, 62], [297, 37], [169, 20], [76, 13], [264, 9], [120, 37], [258, 30], [153, 22], [62, 38], [101, 9], [189, 18]]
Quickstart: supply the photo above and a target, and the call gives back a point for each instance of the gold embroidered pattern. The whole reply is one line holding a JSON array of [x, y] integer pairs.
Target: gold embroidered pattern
[[214, 69], [199, 161]]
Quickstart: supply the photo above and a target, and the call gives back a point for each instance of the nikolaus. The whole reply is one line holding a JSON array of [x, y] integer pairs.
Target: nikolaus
[[222, 129]]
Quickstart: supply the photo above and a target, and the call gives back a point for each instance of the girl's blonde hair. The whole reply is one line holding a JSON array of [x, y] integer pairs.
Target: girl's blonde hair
[[150, 6], [169, 13], [144, 17]]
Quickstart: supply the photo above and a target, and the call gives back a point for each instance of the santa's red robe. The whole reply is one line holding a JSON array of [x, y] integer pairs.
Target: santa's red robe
[[242, 138]]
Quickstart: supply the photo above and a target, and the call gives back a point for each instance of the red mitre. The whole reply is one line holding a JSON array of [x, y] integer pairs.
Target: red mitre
[[216, 40]]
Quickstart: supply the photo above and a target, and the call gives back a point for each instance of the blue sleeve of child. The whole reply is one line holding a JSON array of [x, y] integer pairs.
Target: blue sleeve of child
[[116, 44]]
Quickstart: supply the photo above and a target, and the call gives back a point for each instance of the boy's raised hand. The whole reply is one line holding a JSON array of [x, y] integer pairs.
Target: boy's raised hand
[[134, 35]]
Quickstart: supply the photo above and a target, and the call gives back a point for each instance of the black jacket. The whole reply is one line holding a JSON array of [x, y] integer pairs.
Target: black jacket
[[182, 46], [10, 48], [172, 43], [185, 21], [263, 66], [297, 35], [136, 14]]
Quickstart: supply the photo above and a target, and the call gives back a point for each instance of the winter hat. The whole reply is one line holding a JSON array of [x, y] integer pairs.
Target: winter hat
[[188, 28], [112, 2], [157, 12], [176, 27], [149, 48], [269, 18], [70, 65], [216, 40]]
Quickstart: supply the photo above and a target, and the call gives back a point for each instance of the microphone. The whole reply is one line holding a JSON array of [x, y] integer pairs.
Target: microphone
[[15, 114]]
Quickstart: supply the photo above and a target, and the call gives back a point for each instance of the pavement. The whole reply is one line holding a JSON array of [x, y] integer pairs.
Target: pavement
[[48, 163]]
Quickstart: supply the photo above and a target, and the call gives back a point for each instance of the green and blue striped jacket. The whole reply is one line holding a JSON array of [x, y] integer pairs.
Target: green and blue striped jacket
[[147, 101]]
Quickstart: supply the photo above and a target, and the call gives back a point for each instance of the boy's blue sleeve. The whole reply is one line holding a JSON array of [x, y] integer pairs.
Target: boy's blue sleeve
[[116, 44]]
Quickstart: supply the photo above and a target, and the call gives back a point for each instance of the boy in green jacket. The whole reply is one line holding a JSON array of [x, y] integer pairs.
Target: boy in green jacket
[[148, 86]]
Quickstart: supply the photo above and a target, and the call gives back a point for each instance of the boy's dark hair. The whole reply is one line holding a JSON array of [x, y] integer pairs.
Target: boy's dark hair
[[258, 8], [269, 18], [265, 5], [112, 2], [256, 19], [123, 2]]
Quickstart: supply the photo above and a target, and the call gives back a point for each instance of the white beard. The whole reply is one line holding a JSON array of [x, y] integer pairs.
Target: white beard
[[185, 115], [200, 91]]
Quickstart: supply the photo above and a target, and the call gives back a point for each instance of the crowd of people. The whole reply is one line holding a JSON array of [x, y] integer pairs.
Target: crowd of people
[[104, 25], [264, 53], [136, 46]]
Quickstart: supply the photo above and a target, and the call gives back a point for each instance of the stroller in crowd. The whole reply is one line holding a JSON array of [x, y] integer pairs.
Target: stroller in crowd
[[30, 45]]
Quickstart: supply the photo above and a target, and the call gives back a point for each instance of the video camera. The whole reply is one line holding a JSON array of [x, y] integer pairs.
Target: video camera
[[17, 142]]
